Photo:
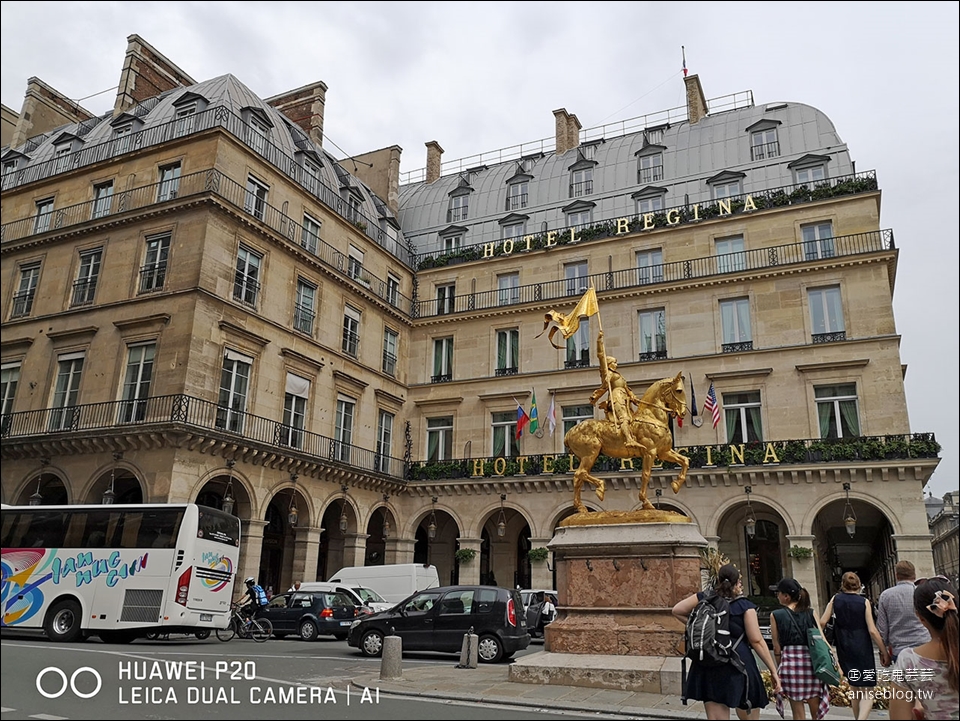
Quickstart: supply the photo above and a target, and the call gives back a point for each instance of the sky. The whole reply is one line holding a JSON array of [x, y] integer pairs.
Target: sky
[[481, 76]]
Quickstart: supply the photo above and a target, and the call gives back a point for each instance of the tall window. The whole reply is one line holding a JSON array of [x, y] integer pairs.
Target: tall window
[[653, 334], [391, 340], [572, 415], [85, 287], [136, 382], [256, 198], [517, 196], [121, 138], [508, 286], [812, 174], [354, 263], [442, 360], [459, 208], [234, 383], [169, 184], [9, 379], [730, 255], [651, 168], [64, 410], [153, 274], [393, 290], [351, 331], [445, 298], [764, 144], [505, 441], [817, 240], [440, 439], [26, 290], [578, 347], [294, 411], [186, 118], [650, 266], [343, 430], [508, 352], [837, 410], [41, 222], [742, 412], [735, 321], [246, 281], [102, 199], [575, 275], [310, 237], [384, 442], [305, 310], [826, 314], [581, 182]]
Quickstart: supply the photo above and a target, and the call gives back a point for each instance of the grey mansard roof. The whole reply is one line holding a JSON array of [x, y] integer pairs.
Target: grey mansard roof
[[717, 147]]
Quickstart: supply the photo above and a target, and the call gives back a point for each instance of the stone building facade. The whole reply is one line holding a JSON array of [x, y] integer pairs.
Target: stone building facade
[[201, 303]]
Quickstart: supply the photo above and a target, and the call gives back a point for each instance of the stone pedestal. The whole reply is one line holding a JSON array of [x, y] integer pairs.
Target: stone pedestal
[[617, 583]]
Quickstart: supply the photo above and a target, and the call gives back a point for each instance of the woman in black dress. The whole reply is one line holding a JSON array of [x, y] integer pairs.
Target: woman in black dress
[[854, 630], [724, 687]]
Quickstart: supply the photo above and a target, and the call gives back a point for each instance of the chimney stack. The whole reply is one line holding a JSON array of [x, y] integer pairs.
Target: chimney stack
[[434, 153], [304, 106], [146, 73], [43, 110], [562, 120], [696, 103], [573, 132]]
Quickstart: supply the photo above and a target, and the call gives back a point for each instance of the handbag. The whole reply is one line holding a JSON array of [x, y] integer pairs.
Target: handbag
[[821, 656], [830, 630]]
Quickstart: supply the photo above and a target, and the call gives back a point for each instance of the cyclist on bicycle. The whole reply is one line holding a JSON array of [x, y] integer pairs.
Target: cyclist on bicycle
[[253, 599]]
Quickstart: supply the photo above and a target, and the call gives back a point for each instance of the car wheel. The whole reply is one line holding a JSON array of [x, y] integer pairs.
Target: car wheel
[[203, 635], [341, 636], [63, 621], [308, 631], [372, 643], [489, 649]]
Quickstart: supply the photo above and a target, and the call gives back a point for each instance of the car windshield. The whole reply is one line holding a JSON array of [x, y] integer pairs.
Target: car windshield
[[370, 596]]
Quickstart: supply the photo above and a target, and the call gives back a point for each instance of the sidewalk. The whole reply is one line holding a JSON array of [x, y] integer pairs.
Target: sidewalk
[[490, 684]]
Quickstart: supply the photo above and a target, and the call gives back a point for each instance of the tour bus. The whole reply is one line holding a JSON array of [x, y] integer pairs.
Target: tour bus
[[117, 571]]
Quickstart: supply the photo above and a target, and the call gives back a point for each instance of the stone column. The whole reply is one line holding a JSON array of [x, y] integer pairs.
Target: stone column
[[354, 549], [470, 571], [306, 552], [251, 548], [805, 569], [916, 548], [402, 550], [540, 574]]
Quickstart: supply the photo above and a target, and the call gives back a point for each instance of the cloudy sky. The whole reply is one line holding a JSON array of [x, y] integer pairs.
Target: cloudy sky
[[480, 76]]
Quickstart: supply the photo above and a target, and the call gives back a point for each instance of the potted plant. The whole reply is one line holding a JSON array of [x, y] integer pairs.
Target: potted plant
[[538, 554], [800, 552], [465, 555]]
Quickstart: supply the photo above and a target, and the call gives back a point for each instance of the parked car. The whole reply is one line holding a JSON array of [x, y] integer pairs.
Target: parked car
[[311, 614], [392, 581], [346, 590], [526, 594], [372, 599], [437, 619], [541, 610]]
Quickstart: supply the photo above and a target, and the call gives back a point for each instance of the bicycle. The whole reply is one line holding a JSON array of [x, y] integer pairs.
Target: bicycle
[[259, 629]]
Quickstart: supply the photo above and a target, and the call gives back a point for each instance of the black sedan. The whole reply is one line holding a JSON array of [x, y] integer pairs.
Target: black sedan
[[310, 615]]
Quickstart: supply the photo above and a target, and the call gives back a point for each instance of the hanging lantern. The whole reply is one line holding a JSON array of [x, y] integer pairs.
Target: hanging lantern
[[750, 523], [386, 520], [432, 526], [344, 521], [502, 519], [293, 514], [228, 500], [849, 516]]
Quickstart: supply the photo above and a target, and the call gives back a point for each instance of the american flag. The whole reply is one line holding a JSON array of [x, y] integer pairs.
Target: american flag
[[710, 405]]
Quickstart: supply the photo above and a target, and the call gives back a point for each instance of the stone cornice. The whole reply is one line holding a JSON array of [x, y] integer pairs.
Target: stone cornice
[[832, 365], [746, 373], [293, 355], [250, 336], [73, 333]]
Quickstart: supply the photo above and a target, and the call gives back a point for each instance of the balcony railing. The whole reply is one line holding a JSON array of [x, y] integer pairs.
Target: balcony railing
[[740, 347], [577, 363], [216, 117], [22, 304], [512, 371], [515, 202], [154, 415], [829, 337], [679, 271], [653, 355], [442, 378], [83, 292], [765, 150]]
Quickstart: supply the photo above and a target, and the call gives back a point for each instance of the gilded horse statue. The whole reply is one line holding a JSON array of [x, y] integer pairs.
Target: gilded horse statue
[[644, 434]]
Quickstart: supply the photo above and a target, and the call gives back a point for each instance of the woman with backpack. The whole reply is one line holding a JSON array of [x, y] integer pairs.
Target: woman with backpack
[[788, 627], [736, 685], [855, 630]]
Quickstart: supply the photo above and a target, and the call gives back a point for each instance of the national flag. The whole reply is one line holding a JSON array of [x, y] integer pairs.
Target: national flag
[[522, 419], [534, 422], [712, 406], [684, 52], [552, 414], [693, 398], [568, 325]]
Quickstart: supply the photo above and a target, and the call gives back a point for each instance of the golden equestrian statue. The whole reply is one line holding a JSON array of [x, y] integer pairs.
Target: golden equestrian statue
[[634, 427]]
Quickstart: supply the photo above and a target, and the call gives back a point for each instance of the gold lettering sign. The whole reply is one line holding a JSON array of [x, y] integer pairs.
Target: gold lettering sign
[[500, 466], [770, 453], [736, 452], [548, 463]]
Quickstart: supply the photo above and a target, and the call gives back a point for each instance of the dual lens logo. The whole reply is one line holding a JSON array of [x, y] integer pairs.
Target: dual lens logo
[[70, 682]]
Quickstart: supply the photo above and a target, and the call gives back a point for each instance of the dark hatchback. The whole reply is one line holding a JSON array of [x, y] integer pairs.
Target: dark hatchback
[[437, 619], [310, 615]]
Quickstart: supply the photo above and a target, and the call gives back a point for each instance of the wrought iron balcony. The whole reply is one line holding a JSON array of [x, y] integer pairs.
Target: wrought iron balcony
[[442, 378], [153, 416], [246, 290], [653, 355], [765, 150], [83, 292], [22, 304], [829, 337], [577, 363], [512, 371], [737, 347]]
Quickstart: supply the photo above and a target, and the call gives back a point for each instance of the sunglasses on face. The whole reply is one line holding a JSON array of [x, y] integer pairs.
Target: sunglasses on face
[[939, 578]]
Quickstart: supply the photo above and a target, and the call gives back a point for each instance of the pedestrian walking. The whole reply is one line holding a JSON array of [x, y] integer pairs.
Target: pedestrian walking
[[898, 624], [935, 605], [788, 627], [855, 635]]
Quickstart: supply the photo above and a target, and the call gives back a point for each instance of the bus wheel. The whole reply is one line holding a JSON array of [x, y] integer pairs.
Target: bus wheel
[[63, 621]]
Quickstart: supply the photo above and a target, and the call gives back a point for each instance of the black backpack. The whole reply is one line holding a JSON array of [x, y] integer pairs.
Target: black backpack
[[707, 635]]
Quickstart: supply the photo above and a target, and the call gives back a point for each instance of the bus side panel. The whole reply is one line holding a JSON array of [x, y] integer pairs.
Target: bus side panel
[[212, 579], [26, 587]]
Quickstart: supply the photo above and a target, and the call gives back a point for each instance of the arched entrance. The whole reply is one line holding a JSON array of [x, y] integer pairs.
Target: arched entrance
[[338, 539], [379, 528], [46, 490], [503, 558], [439, 546], [757, 549], [868, 551], [118, 485]]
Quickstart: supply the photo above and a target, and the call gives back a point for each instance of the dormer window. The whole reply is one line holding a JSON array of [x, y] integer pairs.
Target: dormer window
[[809, 169], [588, 151], [651, 168], [650, 199], [61, 154], [581, 182], [458, 210], [311, 175], [9, 166], [452, 243], [257, 135], [122, 135], [517, 195], [764, 142], [726, 184], [654, 136], [185, 120]]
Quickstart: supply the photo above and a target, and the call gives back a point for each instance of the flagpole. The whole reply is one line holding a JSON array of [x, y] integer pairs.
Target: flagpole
[[603, 365]]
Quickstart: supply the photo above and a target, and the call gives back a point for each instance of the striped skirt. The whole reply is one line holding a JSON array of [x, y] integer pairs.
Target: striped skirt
[[798, 681]]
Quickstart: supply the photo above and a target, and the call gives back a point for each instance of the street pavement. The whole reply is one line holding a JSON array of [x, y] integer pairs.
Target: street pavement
[[490, 684]]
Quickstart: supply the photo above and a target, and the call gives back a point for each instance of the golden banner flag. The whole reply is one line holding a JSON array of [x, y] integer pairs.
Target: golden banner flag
[[570, 324]]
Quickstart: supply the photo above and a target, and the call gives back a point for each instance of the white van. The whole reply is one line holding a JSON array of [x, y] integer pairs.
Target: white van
[[395, 581]]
